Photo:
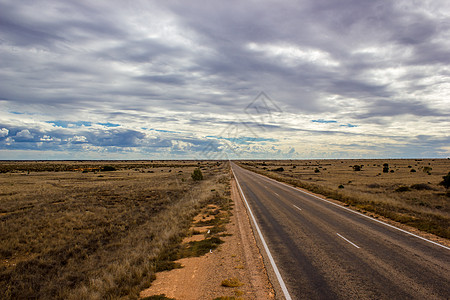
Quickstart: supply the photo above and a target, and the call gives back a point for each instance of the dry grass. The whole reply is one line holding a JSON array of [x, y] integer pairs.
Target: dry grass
[[412, 198], [232, 282], [70, 231]]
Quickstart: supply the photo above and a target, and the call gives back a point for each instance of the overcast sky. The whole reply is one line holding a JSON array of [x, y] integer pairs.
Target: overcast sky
[[217, 79]]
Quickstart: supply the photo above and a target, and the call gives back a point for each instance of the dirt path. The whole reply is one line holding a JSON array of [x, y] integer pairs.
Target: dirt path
[[201, 277]]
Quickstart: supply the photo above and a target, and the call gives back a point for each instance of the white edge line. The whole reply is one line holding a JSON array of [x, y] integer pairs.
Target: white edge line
[[266, 248], [353, 211], [297, 207], [347, 240]]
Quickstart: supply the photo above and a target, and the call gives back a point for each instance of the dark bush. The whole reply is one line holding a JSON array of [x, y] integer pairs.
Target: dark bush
[[413, 171], [356, 168], [316, 170], [108, 168], [385, 168], [421, 186], [197, 174], [373, 186], [341, 186], [280, 169]]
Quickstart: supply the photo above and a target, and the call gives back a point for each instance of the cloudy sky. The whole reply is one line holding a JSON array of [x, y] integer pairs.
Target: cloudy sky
[[217, 79]]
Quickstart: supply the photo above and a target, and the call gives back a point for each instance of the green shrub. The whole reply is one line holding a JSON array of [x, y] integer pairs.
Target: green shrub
[[385, 168], [197, 174]]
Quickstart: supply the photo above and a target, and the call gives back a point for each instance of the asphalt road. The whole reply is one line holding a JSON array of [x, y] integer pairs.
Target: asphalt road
[[325, 251]]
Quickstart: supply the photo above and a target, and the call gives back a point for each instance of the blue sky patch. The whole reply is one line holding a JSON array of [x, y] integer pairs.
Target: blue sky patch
[[324, 121], [67, 124], [107, 124]]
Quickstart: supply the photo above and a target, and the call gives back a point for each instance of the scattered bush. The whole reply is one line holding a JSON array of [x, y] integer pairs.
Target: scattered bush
[[341, 186], [413, 170], [421, 186], [280, 169], [316, 170], [385, 168], [197, 174]]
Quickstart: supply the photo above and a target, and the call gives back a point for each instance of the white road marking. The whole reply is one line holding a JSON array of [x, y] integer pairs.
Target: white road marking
[[347, 240], [266, 248], [353, 211], [297, 207]]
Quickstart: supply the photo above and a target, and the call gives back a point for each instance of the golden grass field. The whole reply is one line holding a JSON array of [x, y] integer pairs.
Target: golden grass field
[[71, 231], [409, 192]]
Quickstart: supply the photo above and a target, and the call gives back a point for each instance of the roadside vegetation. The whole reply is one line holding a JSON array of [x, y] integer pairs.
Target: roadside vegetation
[[414, 192], [100, 230]]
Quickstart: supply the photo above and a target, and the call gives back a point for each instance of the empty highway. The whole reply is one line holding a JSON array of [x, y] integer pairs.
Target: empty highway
[[325, 251]]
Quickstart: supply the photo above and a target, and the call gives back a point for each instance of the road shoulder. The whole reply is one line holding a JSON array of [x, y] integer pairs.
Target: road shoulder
[[202, 277]]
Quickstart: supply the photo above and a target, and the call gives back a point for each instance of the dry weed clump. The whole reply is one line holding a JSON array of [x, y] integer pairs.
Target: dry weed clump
[[70, 234], [413, 198]]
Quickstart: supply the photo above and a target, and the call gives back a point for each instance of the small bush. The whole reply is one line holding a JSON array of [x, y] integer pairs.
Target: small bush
[[341, 186], [373, 185], [197, 174], [402, 189], [231, 282], [280, 169], [421, 186], [413, 171], [316, 170], [356, 168], [108, 168], [385, 168]]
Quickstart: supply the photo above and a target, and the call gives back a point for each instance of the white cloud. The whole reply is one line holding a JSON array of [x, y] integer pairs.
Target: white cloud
[[77, 139], [293, 55], [4, 132], [26, 134]]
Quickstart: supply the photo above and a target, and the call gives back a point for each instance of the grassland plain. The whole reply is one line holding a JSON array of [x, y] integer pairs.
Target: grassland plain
[[403, 190], [69, 230]]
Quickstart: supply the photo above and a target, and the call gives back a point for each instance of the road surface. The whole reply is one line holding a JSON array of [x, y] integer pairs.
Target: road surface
[[326, 251]]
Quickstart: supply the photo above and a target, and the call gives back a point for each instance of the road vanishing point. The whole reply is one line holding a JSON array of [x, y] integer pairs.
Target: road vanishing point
[[321, 250]]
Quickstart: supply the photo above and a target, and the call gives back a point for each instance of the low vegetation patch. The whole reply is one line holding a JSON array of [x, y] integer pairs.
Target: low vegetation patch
[[158, 297], [231, 282]]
